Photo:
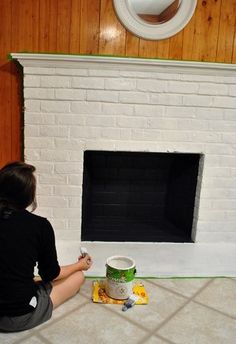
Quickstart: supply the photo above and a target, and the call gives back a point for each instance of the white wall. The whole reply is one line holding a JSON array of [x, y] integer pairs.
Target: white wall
[[136, 107]]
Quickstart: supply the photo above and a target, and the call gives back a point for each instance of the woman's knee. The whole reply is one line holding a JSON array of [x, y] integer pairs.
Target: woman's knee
[[74, 282], [66, 288], [80, 278]]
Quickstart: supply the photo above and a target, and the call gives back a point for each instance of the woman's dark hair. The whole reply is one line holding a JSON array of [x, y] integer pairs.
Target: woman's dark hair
[[17, 187]]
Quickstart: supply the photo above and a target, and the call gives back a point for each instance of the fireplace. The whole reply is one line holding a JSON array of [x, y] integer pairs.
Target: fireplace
[[138, 196], [180, 113], [176, 109]]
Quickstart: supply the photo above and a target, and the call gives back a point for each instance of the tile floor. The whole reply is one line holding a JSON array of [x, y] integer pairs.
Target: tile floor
[[189, 310]]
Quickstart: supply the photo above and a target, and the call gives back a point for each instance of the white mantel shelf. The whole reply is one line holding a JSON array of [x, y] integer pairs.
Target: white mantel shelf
[[113, 62]]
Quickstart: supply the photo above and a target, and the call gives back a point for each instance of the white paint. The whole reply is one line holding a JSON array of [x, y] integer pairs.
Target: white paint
[[48, 64], [159, 259], [120, 262]]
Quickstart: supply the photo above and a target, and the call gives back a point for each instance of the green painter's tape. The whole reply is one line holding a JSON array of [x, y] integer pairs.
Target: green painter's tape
[[174, 277]]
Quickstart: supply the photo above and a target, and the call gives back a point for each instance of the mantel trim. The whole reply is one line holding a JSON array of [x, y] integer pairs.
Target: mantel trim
[[124, 63]]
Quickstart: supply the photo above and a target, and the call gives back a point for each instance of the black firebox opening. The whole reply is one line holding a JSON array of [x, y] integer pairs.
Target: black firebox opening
[[139, 197]]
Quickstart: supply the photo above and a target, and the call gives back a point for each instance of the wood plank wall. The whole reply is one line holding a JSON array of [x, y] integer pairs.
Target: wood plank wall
[[91, 27]]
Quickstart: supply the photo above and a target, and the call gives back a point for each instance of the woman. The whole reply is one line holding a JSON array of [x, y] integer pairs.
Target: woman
[[27, 239]]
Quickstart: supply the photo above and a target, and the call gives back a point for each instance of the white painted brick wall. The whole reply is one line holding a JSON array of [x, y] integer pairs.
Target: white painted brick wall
[[69, 110]]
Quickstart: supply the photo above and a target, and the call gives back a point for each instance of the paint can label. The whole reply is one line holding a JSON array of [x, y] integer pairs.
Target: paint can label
[[119, 277]]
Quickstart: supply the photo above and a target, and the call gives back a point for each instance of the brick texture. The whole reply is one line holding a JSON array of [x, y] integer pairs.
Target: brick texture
[[69, 111]]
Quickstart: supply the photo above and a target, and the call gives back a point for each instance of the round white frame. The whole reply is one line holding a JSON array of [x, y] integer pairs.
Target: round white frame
[[142, 29]]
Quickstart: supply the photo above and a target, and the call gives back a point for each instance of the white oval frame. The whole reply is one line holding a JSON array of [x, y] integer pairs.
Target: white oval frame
[[142, 29]]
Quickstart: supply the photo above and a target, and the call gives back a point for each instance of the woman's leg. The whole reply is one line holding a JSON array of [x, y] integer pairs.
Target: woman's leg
[[65, 288]]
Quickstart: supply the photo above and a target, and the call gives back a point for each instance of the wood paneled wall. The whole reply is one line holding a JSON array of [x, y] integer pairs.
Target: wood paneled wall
[[91, 27]]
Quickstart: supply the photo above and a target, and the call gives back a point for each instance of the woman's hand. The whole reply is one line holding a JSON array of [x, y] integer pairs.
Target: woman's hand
[[85, 262]]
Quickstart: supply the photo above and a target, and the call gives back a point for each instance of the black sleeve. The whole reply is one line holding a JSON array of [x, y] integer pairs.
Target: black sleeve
[[47, 261]]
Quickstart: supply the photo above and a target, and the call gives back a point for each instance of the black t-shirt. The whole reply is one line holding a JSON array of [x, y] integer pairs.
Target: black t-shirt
[[26, 239]]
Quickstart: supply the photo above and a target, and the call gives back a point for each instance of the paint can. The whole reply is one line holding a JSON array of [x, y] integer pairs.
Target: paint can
[[120, 272]]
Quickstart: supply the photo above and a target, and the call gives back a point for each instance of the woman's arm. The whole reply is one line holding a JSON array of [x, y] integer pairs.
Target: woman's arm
[[83, 264]]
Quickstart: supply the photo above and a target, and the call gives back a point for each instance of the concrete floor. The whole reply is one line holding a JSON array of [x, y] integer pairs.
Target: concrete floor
[[183, 310]]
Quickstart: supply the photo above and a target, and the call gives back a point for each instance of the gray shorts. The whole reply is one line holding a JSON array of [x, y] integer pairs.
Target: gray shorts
[[39, 315]]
